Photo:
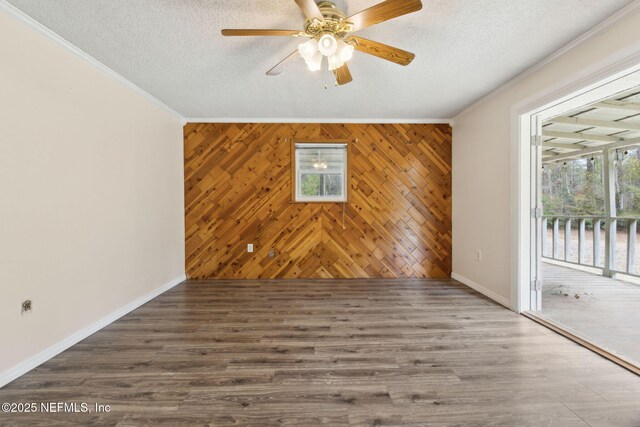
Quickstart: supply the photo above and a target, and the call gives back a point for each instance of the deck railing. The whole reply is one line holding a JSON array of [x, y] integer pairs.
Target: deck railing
[[606, 260]]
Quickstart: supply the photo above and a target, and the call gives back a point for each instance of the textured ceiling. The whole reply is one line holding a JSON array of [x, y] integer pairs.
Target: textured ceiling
[[173, 49]]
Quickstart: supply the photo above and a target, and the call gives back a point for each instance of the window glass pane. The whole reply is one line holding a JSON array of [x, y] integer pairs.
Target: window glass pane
[[333, 185], [330, 159], [321, 170], [310, 184]]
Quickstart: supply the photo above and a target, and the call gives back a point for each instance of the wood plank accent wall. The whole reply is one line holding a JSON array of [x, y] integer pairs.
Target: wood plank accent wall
[[397, 222]]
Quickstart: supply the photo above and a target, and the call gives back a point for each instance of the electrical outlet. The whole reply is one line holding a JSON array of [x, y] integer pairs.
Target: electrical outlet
[[250, 247], [26, 306], [478, 255]]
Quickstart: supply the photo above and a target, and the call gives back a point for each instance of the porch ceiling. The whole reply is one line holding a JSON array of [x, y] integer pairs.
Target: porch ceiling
[[614, 122]]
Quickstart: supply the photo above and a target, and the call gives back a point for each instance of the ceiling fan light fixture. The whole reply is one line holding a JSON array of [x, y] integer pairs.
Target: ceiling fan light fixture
[[329, 30], [328, 44], [334, 62], [315, 62], [308, 49], [345, 51]]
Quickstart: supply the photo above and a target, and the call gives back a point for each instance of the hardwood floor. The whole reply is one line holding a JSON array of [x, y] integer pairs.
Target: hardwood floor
[[606, 311], [361, 352]]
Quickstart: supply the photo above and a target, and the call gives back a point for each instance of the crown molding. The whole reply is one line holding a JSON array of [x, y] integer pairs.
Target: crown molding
[[19, 15], [606, 25], [314, 120]]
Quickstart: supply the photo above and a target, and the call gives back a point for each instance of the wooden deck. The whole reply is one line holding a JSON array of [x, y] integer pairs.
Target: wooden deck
[[604, 310], [338, 353]]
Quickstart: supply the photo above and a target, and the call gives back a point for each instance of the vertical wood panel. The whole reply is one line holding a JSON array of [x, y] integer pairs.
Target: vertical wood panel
[[238, 186]]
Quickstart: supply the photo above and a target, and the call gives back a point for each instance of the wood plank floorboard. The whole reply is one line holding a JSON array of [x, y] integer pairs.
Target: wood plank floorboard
[[409, 352]]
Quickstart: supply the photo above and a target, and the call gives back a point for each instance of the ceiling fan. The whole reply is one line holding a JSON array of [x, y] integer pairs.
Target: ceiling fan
[[329, 32]]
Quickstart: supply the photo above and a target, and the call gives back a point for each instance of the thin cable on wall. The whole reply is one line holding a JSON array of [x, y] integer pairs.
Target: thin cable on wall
[[344, 205]]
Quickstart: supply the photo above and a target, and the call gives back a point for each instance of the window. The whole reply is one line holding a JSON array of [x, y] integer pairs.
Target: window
[[320, 172]]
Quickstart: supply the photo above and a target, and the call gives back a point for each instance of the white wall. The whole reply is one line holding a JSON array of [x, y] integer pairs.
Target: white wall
[[482, 157], [91, 195]]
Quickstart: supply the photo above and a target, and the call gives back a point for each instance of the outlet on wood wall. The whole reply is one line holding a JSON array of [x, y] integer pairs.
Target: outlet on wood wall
[[238, 191]]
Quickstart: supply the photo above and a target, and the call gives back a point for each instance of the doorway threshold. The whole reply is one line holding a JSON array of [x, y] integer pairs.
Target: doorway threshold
[[583, 341]]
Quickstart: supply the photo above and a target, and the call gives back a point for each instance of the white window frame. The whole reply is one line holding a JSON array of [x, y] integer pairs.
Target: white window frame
[[297, 197]]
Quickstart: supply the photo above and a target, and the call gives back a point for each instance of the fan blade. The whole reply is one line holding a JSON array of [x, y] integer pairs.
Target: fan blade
[[280, 66], [293, 33], [381, 12], [343, 75], [310, 9], [380, 50]]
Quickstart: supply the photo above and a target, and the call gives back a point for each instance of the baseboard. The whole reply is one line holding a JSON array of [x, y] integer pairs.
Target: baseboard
[[484, 291], [34, 361]]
